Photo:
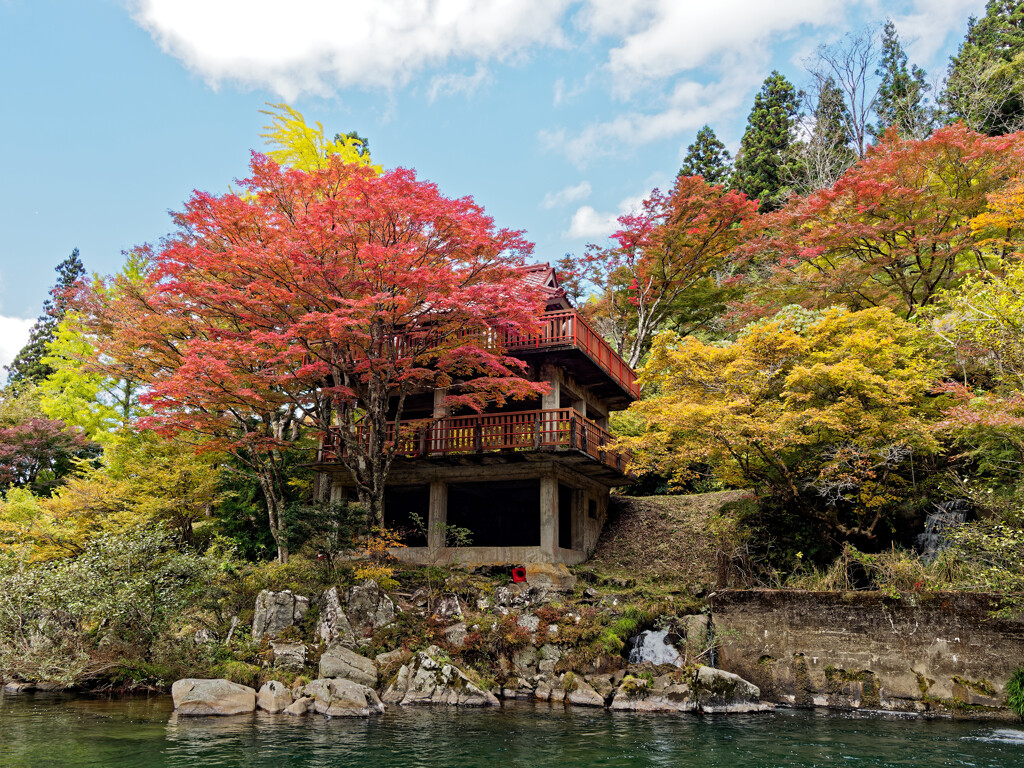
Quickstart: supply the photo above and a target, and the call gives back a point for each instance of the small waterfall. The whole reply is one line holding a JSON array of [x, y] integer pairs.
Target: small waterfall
[[948, 514], [651, 645]]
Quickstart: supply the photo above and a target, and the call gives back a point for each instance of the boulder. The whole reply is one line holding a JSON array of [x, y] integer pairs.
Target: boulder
[[582, 694], [204, 636], [368, 608], [664, 694], [720, 691], [334, 628], [193, 696], [455, 635], [392, 660], [553, 577], [519, 595], [277, 611], [274, 697], [524, 661], [549, 655], [339, 697], [290, 656], [431, 678], [341, 662], [301, 706], [448, 608]]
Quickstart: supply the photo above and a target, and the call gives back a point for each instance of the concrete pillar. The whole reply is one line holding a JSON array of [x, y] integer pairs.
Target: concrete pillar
[[553, 376], [579, 520], [437, 522], [440, 409], [549, 517]]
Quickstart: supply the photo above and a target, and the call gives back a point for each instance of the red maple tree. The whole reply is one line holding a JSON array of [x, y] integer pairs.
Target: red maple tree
[[662, 251], [321, 299], [894, 231]]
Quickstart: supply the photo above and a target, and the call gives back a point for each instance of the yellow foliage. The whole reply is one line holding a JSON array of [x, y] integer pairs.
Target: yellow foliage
[[86, 507], [1001, 226], [377, 550], [804, 400], [304, 147]]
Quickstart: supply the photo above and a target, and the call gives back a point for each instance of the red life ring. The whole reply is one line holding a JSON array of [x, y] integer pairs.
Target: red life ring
[[518, 574]]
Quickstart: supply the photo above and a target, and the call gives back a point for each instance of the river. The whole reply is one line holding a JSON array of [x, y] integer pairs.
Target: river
[[47, 730]]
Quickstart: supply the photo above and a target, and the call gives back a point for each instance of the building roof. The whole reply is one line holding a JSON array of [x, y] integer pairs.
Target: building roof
[[544, 276]]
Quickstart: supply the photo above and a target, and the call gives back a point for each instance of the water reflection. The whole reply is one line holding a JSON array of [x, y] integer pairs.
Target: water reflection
[[71, 733]]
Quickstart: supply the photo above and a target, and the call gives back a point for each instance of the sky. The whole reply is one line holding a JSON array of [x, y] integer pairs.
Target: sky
[[557, 116]]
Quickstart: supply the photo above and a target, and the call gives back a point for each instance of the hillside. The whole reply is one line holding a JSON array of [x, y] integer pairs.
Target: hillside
[[671, 542]]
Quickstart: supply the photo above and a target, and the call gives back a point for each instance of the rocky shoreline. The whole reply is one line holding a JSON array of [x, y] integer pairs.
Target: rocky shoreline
[[477, 640]]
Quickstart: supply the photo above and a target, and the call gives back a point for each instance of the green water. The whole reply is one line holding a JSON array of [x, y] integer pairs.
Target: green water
[[69, 732]]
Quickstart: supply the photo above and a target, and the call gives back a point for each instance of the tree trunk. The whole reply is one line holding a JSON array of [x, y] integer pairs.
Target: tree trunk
[[275, 512]]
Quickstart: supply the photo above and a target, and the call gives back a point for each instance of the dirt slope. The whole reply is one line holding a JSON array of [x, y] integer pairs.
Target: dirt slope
[[666, 541]]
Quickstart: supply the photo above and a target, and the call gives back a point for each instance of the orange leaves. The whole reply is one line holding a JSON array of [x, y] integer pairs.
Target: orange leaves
[[895, 229], [664, 250]]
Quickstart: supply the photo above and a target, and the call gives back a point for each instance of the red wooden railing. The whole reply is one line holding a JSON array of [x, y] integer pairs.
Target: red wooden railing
[[568, 328], [555, 429]]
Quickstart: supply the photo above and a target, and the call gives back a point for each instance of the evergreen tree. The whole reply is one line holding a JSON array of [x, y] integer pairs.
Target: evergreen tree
[[28, 367], [902, 91], [765, 162], [826, 153], [985, 83], [707, 157]]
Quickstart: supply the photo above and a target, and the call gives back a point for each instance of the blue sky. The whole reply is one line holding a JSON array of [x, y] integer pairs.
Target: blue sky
[[556, 115]]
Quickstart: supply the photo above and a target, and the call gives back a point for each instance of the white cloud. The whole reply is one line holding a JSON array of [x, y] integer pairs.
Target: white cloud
[[455, 83], [565, 196], [689, 106], [925, 31], [13, 335], [588, 223], [666, 37], [315, 46]]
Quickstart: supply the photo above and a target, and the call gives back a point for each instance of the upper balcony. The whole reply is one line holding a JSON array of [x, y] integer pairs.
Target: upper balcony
[[580, 349], [516, 435]]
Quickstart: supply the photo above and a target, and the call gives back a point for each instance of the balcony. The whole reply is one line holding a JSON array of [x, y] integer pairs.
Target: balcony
[[567, 330], [518, 432]]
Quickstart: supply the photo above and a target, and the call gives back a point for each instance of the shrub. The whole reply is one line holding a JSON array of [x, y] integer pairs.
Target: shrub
[[1015, 692]]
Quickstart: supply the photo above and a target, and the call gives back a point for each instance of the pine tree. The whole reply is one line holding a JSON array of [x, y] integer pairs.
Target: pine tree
[[826, 153], [765, 161], [985, 83], [28, 367], [707, 157], [902, 91]]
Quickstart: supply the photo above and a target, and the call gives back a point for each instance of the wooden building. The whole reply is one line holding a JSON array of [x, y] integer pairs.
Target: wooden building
[[531, 481]]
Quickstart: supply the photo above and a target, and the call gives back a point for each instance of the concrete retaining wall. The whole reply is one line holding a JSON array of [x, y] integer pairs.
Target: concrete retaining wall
[[941, 652]]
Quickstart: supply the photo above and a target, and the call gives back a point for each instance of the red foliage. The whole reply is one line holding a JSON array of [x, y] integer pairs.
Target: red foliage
[[37, 453], [893, 231], [314, 298]]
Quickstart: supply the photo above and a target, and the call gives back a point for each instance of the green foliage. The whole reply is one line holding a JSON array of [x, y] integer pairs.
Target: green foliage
[[29, 367], [985, 83], [1015, 692], [902, 91], [707, 157], [62, 620], [826, 154], [764, 162], [325, 529]]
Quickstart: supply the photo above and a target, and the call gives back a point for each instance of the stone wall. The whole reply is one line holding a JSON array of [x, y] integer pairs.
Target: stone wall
[[941, 652]]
